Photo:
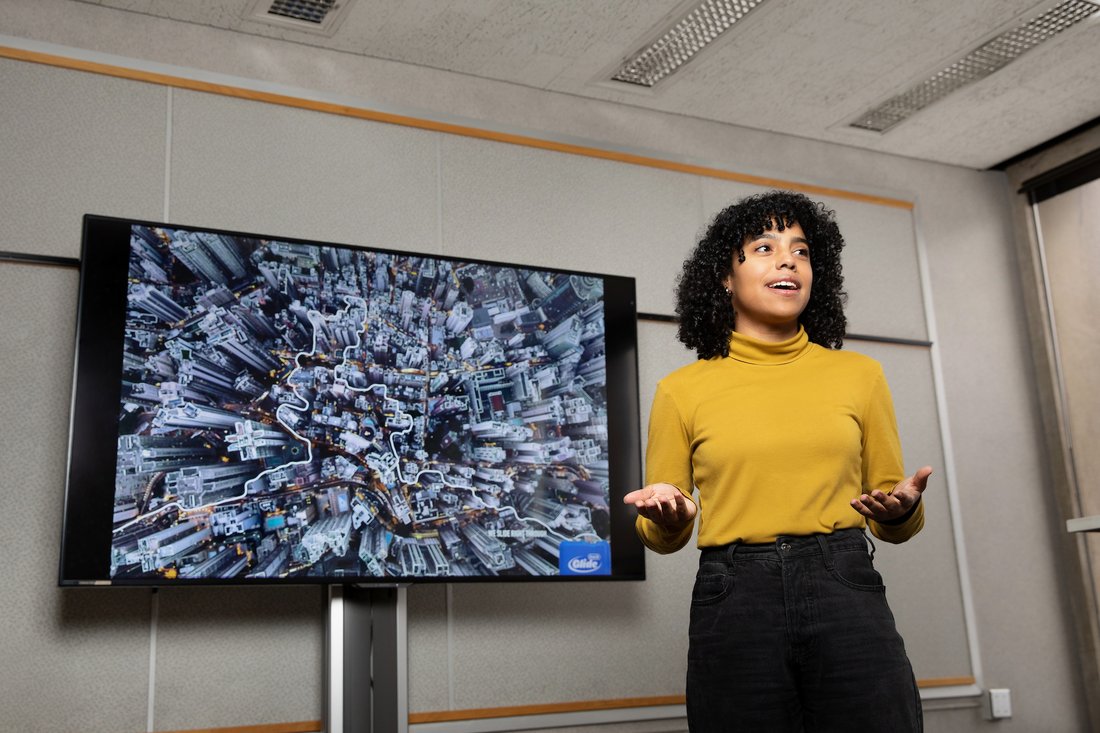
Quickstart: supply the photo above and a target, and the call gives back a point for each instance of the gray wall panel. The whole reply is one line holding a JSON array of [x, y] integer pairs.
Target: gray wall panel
[[544, 208], [239, 656], [67, 654], [74, 144], [288, 172], [718, 194], [429, 651], [529, 644], [881, 273]]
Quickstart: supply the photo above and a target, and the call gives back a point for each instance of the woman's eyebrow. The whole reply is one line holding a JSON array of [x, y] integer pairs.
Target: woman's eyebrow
[[774, 236]]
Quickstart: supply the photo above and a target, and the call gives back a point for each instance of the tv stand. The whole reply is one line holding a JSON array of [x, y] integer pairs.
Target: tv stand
[[366, 664]]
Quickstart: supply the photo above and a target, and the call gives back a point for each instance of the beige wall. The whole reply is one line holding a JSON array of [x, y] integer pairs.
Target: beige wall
[[72, 142], [1070, 244], [1070, 225]]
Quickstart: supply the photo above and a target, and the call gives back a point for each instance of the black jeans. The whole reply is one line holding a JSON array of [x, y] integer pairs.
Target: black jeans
[[796, 635]]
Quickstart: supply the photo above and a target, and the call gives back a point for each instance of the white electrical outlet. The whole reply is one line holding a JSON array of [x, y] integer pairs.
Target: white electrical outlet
[[1000, 703]]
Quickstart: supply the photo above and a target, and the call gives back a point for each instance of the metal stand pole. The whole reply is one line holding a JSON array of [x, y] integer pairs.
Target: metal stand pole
[[366, 672]]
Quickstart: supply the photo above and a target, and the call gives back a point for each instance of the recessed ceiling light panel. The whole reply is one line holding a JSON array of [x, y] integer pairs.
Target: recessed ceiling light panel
[[978, 64], [699, 26], [313, 11], [312, 16]]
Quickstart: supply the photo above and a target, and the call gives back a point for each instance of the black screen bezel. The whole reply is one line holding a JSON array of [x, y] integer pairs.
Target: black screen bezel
[[97, 385]]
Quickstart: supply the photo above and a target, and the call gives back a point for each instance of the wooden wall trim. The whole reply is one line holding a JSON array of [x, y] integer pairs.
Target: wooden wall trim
[[946, 682], [616, 704], [545, 709], [285, 100], [304, 726], [446, 716]]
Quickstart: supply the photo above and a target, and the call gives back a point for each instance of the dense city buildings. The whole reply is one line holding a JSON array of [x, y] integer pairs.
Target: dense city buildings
[[299, 410]]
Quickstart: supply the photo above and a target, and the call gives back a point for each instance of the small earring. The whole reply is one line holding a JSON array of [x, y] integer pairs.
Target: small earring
[[728, 291]]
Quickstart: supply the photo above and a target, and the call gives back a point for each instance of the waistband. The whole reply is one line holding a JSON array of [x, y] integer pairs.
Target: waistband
[[791, 546]]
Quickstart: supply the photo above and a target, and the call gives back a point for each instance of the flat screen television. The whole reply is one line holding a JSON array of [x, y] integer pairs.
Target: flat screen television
[[256, 409]]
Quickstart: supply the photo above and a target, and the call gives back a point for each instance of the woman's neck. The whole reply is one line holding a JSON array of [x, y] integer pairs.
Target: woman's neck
[[766, 332]]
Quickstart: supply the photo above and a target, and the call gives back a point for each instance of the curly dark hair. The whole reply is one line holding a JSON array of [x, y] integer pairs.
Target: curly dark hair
[[702, 303]]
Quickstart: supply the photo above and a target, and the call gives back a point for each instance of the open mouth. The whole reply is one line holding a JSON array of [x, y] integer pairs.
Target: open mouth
[[787, 285]]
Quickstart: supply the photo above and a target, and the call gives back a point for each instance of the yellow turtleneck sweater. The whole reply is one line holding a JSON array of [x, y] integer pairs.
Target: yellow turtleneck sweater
[[778, 438]]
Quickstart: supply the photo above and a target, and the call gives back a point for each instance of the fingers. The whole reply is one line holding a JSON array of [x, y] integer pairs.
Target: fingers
[[662, 509], [663, 504], [874, 505], [858, 506], [879, 505]]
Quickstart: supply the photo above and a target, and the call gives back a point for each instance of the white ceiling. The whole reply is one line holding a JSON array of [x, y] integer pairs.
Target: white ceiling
[[801, 67]]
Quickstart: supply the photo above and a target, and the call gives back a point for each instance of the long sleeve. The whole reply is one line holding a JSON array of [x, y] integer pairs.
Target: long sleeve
[[668, 460], [883, 467]]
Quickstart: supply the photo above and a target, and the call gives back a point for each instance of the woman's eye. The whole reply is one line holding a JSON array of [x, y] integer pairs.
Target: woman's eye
[[802, 252], [762, 248]]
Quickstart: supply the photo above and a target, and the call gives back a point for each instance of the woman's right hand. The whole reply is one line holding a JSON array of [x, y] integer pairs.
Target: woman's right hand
[[663, 504]]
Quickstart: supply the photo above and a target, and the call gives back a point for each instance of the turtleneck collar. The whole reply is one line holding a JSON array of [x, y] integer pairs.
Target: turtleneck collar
[[769, 353]]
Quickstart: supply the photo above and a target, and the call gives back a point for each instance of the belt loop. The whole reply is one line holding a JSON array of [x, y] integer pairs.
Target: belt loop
[[822, 541], [731, 551], [870, 544]]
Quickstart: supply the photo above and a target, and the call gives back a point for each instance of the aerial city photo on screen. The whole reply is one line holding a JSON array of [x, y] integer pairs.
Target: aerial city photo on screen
[[294, 410]]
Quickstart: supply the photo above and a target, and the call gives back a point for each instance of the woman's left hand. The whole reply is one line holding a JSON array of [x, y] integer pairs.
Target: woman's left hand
[[883, 507]]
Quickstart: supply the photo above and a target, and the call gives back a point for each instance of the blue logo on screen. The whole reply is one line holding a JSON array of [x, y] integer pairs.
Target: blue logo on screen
[[584, 558]]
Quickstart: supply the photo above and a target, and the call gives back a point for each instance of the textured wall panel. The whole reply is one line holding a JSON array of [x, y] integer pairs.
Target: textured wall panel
[[429, 653], [1071, 241], [272, 170], [544, 208], [71, 144], [239, 656], [529, 644], [73, 654], [1070, 225], [881, 272]]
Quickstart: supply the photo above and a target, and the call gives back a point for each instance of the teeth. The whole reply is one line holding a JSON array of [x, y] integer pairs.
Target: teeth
[[783, 285]]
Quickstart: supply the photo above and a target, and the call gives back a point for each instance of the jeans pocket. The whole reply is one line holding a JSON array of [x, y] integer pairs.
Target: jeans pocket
[[854, 569], [710, 587]]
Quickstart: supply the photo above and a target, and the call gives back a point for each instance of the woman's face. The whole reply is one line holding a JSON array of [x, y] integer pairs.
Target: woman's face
[[772, 286]]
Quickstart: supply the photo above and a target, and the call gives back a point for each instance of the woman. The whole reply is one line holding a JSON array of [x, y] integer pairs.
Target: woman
[[793, 447]]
